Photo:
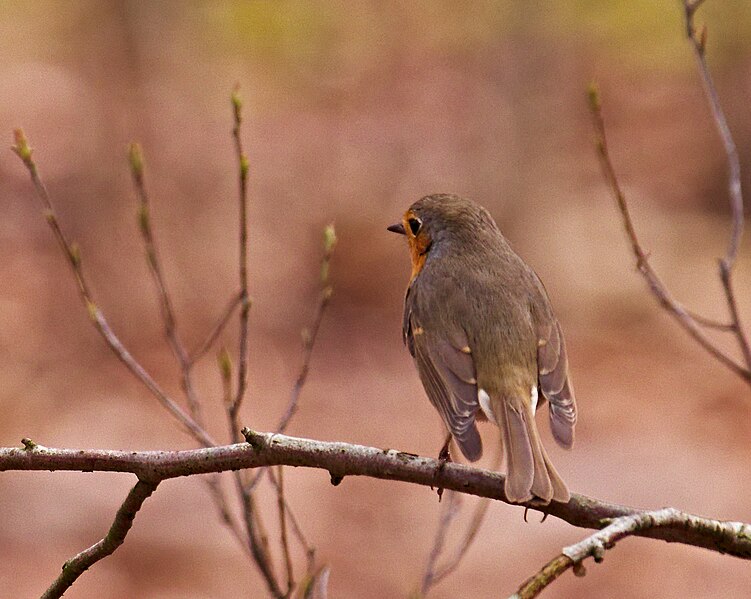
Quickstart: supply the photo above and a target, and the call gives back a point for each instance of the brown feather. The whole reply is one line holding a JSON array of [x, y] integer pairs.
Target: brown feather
[[555, 386], [530, 472], [450, 385]]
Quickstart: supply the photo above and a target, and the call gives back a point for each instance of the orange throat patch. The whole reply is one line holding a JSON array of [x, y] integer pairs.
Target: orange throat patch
[[418, 245]]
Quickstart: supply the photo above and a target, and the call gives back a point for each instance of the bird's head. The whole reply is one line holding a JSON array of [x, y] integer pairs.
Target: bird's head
[[433, 222]]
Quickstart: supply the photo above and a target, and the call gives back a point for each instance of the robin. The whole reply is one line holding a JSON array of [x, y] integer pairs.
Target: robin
[[479, 325]]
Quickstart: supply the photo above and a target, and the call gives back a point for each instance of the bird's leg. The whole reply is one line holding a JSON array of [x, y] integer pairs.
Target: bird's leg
[[444, 456]]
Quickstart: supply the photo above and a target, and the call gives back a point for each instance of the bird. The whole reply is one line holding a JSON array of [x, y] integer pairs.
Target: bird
[[487, 346]]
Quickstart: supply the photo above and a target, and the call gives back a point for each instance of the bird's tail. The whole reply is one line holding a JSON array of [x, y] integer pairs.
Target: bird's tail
[[530, 472]]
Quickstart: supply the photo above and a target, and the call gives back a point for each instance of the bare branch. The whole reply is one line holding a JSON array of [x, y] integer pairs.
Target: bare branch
[[284, 539], [469, 536], [710, 323], [309, 339], [690, 322], [216, 330], [135, 156], [595, 546], [449, 512], [435, 572], [256, 535], [344, 459], [656, 285], [698, 43], [310, 551], [734, 166], [77, 565], [220, 501], [242, 161], [737, 327], [257, 539], [73, 254], [315, 585]]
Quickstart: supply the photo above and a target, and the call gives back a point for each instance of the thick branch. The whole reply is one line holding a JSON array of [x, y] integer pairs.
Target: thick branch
[[344, 459]]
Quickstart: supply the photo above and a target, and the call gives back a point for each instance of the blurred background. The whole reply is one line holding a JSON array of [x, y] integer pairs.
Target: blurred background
[[353, 110]]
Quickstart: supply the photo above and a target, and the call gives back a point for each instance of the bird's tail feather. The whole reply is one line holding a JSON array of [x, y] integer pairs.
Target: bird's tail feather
[[530, 472]]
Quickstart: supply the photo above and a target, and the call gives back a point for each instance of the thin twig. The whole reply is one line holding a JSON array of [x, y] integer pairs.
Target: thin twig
[[243, 165], [435, 572], [216, 330], [710, 323], [135, 157], [656, 285], [257, 538], [698, 43], [122, 524], [449, 512], [73, 254], [737, 327], [193, 424], [309, 338], [315, 584], [220, 501], [309, 550], [595, 546], [284, 539], [256, 534], [469, 536]]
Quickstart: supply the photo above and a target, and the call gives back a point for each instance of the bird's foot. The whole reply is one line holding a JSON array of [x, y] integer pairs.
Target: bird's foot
[[444, 457]]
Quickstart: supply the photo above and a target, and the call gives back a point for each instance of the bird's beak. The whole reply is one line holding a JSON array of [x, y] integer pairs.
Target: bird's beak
[[397, 228]]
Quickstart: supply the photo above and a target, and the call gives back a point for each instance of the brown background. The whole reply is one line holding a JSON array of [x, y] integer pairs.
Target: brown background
[[353, 111]]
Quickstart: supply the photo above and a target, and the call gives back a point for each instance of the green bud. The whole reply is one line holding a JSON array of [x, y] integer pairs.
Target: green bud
[[600, 146], [144, 218], [75, 254], [237, 104], [593, 95], [329, 238], [135, 157], [244, 166], [225, 364], [21, 146]]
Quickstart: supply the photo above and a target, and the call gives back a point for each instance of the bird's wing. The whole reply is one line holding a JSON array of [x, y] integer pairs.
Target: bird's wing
[[555, 384], [447, 371]]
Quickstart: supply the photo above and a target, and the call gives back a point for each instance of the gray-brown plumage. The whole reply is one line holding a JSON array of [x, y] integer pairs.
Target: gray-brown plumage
[[478, 322]]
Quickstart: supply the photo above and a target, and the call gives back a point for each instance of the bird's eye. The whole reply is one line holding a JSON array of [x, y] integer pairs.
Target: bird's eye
[[414, 225]]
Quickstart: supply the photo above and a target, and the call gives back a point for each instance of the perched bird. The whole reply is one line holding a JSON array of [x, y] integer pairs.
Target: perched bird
[[479, 325]]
